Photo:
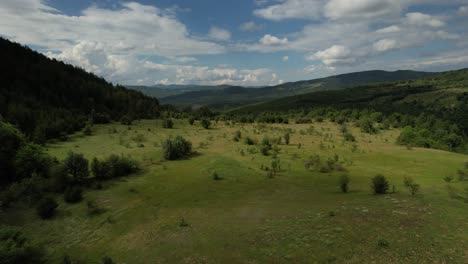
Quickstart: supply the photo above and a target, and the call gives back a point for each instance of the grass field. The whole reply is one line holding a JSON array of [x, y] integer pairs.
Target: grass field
[[298, 216]]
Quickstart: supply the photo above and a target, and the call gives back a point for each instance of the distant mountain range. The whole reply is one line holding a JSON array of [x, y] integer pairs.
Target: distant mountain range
[[228, 97]]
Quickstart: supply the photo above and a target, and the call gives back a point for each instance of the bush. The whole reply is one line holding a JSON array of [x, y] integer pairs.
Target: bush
[[249, 141], [411, 185], [73, 194], [216, 177], [88, 131], [205, 123], [448, 178], [126, 120], [76, 166], [114, 166], [107, 260], [31, 159], [349, 137], [168, 123], [15, 248], [191, 121], [265, 150], [344, 183], [46, 208], [237, 136], [380, 184], [176, 148], [286, 138]]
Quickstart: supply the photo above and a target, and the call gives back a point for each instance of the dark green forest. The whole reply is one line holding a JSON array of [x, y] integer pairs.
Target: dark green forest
[[46, 98]]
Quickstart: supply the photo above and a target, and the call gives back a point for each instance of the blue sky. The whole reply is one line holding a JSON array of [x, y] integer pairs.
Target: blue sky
[[244, 42]]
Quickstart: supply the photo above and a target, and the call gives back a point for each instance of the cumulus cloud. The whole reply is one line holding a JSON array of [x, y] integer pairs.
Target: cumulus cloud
[[285, 58], [291, 9], [334, 55], [389, 29], [420, 19], [340, 9], [385, 45], [219, 33], [270, 40], [250, 26], [184, 74]]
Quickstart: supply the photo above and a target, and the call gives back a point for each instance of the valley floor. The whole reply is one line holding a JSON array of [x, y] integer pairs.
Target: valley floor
[[174, 212]]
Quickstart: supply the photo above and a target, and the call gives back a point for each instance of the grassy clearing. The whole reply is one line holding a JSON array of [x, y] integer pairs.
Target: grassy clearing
[[299, 215]]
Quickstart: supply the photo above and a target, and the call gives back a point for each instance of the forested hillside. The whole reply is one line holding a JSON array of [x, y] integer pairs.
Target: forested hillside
[[230, 97], [435, 108], [47, 98]]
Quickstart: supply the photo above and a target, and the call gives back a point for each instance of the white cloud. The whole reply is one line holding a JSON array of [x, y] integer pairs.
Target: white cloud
[[219, 33], [250, 26], [385, 45], [335, 55], [389, 29], [363, 9], [318, 69], [287, 9], [184, 74], [142, 29], [270, 40], [420, 19], [463, 10], [184, 59], [285, 58]]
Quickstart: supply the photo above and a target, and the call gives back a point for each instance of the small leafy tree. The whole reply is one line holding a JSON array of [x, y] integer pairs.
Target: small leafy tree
[[205, 123], [344, 183], [380, 184], [46, 208], [176, 148], [76, 166], [168, 123], [31, 160]]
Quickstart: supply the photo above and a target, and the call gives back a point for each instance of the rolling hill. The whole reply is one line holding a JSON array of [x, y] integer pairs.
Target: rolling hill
[[161, 91], [47, 98], [235, 96]]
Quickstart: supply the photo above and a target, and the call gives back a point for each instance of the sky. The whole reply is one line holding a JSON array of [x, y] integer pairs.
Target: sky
[[242, 42]]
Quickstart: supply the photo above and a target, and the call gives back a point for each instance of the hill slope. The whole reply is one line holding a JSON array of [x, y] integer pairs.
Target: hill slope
[[236, 96], [47, 98], [161, 91]]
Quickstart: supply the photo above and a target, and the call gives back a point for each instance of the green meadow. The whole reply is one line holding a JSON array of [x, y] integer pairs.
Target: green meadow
[[176, 212]]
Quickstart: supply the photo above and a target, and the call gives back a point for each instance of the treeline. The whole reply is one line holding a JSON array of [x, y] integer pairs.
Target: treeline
[[46, 98], [419, 128]]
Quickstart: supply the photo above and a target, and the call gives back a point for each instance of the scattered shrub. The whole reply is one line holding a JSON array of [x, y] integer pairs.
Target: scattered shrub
[[344, 183], [168, 123], [380, 184], [176, 148], [191, 121], [349, 137], [73, 194], [216, 177], [286, 138], [205, 123], [249, 141], [15, 248], [107, 260], [183, 223], [46, 208], [76, 166], [114, 166], [382, 243], [237, 136], [448, 178], [411, 185]]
